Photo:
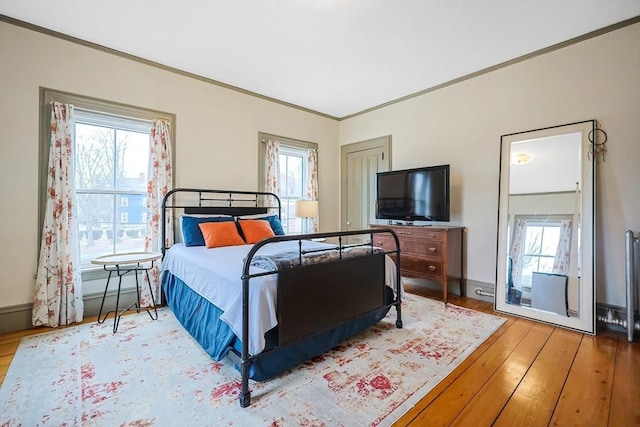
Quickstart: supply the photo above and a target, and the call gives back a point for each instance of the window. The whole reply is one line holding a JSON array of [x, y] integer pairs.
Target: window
[[292, 180], [111, 154], [111, 162], [541, 241]]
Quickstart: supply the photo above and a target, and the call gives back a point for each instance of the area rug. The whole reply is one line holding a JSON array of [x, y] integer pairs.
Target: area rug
[[152, 373]]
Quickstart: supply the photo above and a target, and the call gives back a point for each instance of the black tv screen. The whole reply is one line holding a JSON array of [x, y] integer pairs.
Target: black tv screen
[[420, 194]]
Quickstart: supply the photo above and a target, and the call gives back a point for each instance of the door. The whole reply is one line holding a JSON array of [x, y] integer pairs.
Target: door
[[360, 163]]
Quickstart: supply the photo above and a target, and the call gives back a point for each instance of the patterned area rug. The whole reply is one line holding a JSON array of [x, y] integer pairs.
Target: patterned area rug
[[152, 373]]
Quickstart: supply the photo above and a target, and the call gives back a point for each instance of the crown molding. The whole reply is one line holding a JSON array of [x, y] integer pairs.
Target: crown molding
[[62, 36]]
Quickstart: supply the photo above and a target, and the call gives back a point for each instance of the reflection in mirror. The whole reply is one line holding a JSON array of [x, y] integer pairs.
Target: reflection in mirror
[[545, 261]]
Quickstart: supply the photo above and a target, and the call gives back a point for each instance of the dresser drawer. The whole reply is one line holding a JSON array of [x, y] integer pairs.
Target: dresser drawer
[[425, 248], [421, 267], [384, 241], [410, 246], [425, 233]]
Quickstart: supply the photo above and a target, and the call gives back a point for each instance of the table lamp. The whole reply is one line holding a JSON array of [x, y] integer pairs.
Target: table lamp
[[306, 209]]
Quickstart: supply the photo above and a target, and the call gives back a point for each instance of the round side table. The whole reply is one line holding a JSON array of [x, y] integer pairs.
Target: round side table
[[121, 264]]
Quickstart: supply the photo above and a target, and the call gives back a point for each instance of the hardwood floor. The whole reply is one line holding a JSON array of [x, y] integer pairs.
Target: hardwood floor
[[525, 374], [533, 374]]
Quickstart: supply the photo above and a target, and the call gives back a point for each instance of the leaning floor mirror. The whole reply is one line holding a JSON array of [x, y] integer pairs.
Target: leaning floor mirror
[[545, 267]]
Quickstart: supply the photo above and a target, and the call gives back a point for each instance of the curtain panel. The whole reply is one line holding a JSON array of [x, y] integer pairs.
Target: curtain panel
[[272, 167], [517, 252], [561, 262], [312, 184], [58, 290], [158, 185]]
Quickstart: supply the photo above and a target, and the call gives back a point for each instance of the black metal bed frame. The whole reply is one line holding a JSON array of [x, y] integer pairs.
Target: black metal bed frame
[[358, 282]]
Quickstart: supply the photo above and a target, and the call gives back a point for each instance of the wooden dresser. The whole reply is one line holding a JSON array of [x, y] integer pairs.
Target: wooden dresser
[[433, 253]]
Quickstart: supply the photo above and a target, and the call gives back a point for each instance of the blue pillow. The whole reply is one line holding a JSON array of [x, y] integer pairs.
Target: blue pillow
[[191, 234], [276, 226]]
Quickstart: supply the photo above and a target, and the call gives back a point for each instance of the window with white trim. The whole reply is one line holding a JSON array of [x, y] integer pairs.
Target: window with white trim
[[111, 155], [293, 177]]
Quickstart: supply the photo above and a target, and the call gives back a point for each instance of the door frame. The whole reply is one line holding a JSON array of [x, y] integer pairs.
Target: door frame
[[381, 141]]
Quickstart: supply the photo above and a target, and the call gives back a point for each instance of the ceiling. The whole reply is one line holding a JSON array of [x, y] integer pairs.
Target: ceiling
[[334, 57]]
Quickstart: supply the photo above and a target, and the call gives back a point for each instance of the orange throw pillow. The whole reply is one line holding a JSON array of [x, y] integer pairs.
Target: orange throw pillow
[[255, 230], [217, 234]]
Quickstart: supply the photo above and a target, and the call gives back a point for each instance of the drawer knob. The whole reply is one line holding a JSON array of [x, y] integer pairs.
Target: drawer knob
[[432, 250], [432, 235], [432, 268], [379, 242]]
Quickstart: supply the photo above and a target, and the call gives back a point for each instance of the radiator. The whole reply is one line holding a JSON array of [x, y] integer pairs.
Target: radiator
[[632, 267]]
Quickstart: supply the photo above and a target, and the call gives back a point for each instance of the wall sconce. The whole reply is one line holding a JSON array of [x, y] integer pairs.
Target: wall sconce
[[306, 209], [520, 159]]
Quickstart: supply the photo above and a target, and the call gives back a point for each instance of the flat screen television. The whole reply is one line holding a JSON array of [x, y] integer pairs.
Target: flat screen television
[[421, 194]]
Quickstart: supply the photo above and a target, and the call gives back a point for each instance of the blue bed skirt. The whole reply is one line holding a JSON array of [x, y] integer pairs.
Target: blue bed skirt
[[201, 319]]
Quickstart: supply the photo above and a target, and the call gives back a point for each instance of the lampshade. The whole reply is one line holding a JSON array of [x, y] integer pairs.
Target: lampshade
[[306, 208]]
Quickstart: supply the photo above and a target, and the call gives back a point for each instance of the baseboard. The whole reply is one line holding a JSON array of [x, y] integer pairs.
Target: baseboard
[[18, 317], [483, 291], [469, 286], [15, 318]]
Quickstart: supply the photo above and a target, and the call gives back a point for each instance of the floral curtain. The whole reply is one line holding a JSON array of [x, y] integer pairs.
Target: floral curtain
[[312, 184], [517, 252], [563, 253], [159, 184], [272, 166], [58, 290]]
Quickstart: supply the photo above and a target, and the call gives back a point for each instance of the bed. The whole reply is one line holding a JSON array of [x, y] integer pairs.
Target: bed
[[279, 301]]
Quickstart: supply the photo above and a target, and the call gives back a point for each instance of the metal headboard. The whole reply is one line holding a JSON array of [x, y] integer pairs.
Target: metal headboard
[[215, 202]]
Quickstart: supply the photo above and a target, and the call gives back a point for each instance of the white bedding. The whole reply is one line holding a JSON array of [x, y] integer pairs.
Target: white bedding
[[215, 274]]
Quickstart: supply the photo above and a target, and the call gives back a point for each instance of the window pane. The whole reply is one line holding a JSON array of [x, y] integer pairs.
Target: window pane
[[130, 230], [550, 241], [94, 157], [95, 225], [530, 264], [533, 240], [133, 159], [546, 265], [291, 176], [291, 223]]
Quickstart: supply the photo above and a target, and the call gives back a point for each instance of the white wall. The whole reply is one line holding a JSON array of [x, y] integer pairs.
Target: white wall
[[216, 142], [217, 136], [461, 125]]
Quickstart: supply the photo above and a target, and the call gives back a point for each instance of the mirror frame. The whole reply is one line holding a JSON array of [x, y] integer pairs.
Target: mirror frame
[[586, 296]]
